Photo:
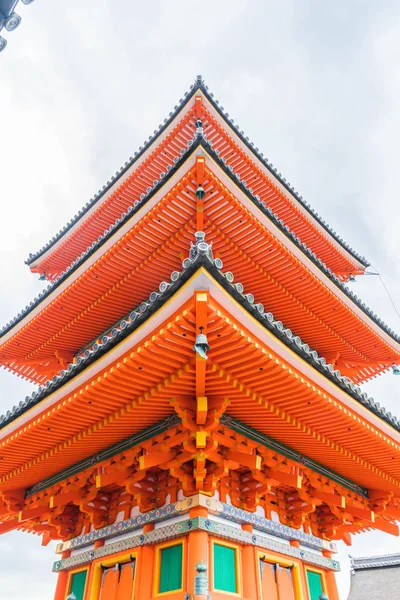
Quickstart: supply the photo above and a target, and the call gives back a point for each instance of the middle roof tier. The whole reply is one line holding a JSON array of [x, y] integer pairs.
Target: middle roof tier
[[120, 270]]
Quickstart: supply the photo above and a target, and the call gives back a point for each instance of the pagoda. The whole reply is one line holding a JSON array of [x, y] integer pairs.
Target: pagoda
[[198, 429]]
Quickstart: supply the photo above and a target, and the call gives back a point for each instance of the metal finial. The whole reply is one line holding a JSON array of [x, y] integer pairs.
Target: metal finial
[[200, 192], [201, 579]]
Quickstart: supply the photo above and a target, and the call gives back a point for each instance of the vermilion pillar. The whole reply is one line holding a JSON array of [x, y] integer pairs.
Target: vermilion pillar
[[249, 569], [330, 579], [146, 567], [197, 549], [62, 580]]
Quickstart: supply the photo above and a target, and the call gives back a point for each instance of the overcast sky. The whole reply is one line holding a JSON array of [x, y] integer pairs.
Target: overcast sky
[[315, 85]]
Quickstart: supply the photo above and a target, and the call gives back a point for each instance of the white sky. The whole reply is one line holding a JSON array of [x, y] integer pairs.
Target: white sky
[[315, 85]]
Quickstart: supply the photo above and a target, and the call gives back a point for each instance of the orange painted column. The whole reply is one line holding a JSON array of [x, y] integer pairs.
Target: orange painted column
[[304, 585], [91, 580], [62, 580], [144, 587], [331, 585], [249, 580], [197, 550]]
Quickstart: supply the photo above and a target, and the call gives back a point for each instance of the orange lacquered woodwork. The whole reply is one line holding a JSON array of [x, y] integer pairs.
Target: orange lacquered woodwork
[[254, 385], [135, 265], [263, 392], [112, 205], [269, 586], [109, 583], [126, 582], [252, 424], [284, 583]]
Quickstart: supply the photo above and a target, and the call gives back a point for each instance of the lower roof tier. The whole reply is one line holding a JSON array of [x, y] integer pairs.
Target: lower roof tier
[[147, 243], [149, 370], [156, 467]]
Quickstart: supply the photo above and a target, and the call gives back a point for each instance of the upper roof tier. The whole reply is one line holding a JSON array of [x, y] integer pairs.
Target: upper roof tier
[[139, 173], [149, 241]]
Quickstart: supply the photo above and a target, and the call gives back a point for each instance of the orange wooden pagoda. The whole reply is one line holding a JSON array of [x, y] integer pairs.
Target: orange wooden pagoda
[[198, 430]]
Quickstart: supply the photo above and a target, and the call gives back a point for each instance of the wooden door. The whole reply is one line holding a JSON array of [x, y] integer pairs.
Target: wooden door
[[276, 582], [109, 583], [269, 589], [126, 581], [284, 583]]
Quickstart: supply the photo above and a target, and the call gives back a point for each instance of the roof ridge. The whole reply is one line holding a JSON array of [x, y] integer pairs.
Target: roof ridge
[[375, 561], [199, 84], [200, 255], [200, 139]]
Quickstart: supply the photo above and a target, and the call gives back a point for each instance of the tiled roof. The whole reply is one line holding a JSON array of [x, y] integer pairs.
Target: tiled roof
[[199, 140], [9, 20], [375, 562], [375, 577], [198, 85], [200, 255]]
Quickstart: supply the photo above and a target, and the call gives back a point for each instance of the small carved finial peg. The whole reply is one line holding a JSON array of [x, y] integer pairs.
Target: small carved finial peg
[[201, 580]]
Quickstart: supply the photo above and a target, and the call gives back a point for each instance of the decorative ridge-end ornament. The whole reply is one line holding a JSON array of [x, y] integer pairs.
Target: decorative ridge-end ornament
[[12, 22], [201, 580], [71, 597], [201, 346], [200, 247]]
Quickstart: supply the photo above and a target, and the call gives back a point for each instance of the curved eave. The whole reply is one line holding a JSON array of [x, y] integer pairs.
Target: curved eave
[[201, 273], [281, 231], [360, 263], [35, 259]]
